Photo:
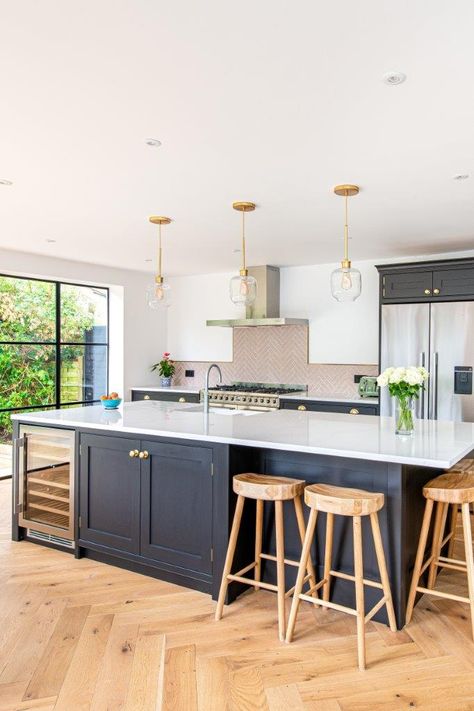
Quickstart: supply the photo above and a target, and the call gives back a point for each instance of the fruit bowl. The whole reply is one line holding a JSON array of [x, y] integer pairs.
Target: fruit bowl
[[112, 404]]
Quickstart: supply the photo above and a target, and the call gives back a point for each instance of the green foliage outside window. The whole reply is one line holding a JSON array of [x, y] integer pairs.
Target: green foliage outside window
[[28, 313]]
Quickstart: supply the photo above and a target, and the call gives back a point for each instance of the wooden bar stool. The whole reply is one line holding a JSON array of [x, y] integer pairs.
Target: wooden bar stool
[[450, 489], [341, 501], [265, 488], [465, 465]]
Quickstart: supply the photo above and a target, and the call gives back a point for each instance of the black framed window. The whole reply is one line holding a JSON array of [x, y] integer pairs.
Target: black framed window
[[54, 345]]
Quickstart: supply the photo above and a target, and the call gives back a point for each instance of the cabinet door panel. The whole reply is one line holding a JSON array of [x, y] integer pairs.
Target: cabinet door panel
[[317, 406], [177, 505], [454, 282], [407, 285], [110, 492], [172, 396]]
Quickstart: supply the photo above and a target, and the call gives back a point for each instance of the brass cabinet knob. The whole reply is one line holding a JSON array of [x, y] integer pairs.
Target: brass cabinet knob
[[146, 397], [302, 407], [354, 411], [427, 292], [436, 291], [182, 399], [133, 453], [144, 454]]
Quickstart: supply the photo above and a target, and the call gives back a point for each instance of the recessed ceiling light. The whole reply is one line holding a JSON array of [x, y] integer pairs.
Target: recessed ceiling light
[[461, 176], [235, 251], [51, 241], [394, 78], [4, 181], [153, 142], [148, 260]]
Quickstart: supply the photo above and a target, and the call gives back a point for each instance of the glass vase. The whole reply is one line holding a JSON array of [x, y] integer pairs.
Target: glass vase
[[405, 416]]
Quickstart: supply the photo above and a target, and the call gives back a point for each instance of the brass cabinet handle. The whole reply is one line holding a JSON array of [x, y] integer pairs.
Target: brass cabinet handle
[[144, 454], [146, 397], [436, 291], [427, 292], [182, 399], [133, 453], [302, 407], [354, 411]]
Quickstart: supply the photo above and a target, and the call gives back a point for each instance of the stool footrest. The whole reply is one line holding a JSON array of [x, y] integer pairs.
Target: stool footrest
[[246, 569], [375, 608], [346, 576], [327, 603], [254, 583], [267, 556], [438, 593], [305, 580]]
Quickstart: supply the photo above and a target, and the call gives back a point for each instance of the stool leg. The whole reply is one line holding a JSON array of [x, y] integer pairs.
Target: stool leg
[[440, 522], [305, 553], [379, 552], [280, 562], [359, 589], [328, 556], [453, 524], [302, 530], [467, 531], [258, 541], [230, 555], [425, 527]]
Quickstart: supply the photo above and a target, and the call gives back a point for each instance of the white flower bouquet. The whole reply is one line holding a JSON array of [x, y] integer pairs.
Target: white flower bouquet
[[405, 384]]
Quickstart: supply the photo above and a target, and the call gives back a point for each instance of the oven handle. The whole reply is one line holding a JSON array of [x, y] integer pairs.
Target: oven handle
[[18, 472]]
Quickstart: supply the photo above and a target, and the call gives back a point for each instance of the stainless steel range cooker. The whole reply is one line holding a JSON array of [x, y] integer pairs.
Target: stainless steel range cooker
[[251, 396]]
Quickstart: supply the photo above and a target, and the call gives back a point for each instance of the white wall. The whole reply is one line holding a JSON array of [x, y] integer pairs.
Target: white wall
[[196, 299], [338, 332], [137, 334], [344, 333]]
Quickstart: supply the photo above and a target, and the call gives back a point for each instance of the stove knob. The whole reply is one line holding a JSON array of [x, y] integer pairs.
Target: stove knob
[[267, 401]]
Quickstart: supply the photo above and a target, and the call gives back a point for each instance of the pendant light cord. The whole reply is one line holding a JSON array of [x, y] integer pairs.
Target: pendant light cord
[[159, 250], [346, 230], [243, 240]]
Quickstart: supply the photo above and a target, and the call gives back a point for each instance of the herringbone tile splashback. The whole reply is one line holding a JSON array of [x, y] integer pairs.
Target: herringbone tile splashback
[[278, 355]]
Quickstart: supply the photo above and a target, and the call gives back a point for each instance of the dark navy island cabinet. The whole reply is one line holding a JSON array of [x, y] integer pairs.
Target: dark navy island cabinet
[[150, 503]]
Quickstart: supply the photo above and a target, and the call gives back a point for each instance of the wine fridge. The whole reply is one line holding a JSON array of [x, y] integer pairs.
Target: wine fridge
[[44, 483]]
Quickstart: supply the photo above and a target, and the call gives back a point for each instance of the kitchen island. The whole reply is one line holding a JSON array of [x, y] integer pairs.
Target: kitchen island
[[153, 485]]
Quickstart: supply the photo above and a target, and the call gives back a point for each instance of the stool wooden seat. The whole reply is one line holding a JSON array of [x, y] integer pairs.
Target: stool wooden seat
[[263, 488], [337, 500], [450, 489], [342, 501], [267, 488]]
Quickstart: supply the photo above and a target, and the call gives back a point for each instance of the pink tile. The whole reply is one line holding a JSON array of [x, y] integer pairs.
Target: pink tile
[[278, 355]]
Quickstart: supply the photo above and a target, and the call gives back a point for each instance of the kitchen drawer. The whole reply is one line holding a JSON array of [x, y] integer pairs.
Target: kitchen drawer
[[163, 396], [320, 406]]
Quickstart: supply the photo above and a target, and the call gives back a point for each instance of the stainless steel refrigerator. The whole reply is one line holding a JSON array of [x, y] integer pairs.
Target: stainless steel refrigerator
[[439, 336]]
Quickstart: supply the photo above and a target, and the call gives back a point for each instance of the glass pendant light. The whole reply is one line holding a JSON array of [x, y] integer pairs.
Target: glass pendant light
[[243, 288], [346, 282], [158, 294]]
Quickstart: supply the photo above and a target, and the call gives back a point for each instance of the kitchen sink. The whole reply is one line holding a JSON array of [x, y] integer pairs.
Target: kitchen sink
[[221, 411]]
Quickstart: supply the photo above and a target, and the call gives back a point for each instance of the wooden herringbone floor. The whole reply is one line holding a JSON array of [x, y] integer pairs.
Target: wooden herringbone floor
[[78, 635]]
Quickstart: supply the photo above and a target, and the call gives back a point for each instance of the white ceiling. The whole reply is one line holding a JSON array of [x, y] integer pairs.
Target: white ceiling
[[271, 100]]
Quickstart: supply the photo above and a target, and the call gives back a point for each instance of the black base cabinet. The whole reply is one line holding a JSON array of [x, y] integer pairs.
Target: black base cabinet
[[151, 503], [176, 510]]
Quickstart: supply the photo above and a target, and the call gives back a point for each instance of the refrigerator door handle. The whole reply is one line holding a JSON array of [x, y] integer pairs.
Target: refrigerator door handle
[[421, 414], [434, 387]]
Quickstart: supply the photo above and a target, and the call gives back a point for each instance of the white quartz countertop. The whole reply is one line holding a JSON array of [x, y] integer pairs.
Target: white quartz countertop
[[356, 399], [437, 444], [171, 389]]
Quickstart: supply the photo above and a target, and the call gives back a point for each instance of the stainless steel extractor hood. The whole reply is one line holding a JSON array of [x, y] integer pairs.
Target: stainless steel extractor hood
[[265, 311]]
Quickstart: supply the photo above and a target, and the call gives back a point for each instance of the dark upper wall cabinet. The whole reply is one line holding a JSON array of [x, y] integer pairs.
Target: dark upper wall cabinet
[[445, 280]]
